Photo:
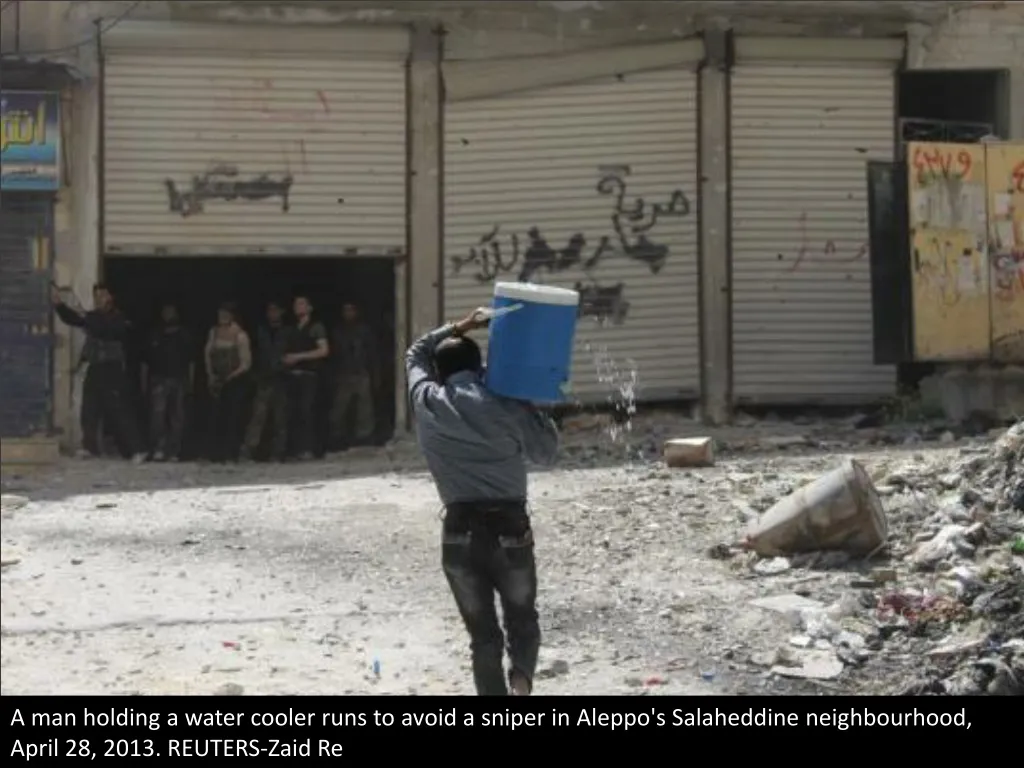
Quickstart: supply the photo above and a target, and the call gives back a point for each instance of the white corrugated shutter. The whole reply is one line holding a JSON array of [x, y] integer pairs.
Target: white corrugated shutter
[[532, 177], [235, 140], [806, 118]]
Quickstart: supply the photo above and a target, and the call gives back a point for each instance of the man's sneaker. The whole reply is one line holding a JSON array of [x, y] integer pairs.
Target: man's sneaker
[[81, 453], [158, 456], [138, 458]]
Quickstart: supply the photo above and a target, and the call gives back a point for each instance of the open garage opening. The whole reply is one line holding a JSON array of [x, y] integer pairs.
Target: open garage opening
[[197, 286]]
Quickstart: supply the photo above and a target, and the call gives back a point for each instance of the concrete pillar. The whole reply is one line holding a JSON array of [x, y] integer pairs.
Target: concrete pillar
[[425, 205], [76, 246], [715, 289]]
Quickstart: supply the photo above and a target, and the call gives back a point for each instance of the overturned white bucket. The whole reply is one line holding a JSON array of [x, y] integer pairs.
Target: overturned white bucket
[[839, 511]]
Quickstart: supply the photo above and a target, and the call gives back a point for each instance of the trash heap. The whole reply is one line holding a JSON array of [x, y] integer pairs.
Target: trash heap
[[945, 614], [959, 530]]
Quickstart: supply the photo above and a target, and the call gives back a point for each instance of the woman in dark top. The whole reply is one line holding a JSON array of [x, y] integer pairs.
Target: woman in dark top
[[228, 357]]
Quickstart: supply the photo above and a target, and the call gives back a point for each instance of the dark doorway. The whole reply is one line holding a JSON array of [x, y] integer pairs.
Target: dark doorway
[[198, 285], [954, 106]]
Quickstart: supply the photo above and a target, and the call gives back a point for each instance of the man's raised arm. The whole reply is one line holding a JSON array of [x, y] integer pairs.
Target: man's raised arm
[[419, 362]]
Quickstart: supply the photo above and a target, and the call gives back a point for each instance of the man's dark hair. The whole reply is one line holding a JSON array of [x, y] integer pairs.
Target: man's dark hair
[[277, 303], [101, 287], [457, 354]]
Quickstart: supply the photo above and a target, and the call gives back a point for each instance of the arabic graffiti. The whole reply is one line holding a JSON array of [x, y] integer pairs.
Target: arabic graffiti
[[934, 163], [603, 303], [224, 182], [830, 252], [638, 220], [630, 223]]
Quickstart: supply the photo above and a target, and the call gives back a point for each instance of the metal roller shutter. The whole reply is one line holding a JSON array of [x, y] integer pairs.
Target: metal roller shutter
[[239, 140], [26, 318], [593, 186], [802, 131]]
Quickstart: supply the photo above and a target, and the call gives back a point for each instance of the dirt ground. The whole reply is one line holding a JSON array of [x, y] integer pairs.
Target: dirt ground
[[297, 579]]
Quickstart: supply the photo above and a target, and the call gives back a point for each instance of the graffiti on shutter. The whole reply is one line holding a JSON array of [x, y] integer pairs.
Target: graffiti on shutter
[[632, 231]]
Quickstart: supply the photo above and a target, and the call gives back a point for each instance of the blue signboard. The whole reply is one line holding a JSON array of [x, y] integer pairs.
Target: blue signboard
[[29, 141]]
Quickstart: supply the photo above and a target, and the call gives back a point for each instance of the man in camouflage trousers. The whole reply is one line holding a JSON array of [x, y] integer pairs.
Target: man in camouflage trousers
[[356, 377], [271, 401]]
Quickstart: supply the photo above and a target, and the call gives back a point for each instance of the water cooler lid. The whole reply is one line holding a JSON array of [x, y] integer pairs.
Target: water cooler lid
[[537, 294]]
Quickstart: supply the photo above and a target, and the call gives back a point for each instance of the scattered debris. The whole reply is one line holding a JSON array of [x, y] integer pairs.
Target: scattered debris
[[809, 664], [955, 522], [942, 614], [772, 567], [788, 604]]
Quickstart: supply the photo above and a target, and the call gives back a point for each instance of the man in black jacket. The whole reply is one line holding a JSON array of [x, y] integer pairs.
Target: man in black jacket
[[168, 375], [271, 401], [105, 391]]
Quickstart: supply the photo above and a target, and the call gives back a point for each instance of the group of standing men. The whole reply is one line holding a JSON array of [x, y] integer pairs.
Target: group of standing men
[[287, 367]]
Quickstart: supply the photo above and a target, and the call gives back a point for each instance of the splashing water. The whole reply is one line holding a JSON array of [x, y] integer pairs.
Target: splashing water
[[623, 384]]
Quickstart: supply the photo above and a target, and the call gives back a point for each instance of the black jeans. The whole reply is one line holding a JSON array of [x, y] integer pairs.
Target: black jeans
[[303, 389], [227, 404], [167, 414], [106, 405], [487, 547]]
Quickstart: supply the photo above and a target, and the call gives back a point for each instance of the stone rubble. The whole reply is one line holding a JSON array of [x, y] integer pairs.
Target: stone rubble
[[646, 589], [955, 593]]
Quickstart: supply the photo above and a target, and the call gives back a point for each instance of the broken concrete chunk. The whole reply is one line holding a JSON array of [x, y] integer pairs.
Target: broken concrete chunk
[[955, 648], [810, 664], [883, 575], [773, 566], [788, 604], [940, 547], [839, 511], [690, 452]]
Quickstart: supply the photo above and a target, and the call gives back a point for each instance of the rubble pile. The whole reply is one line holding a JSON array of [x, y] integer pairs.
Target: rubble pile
[[945, 615], [957, 527]]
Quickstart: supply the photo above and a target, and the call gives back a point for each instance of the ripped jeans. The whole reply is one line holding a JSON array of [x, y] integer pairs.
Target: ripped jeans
[[487, 548]]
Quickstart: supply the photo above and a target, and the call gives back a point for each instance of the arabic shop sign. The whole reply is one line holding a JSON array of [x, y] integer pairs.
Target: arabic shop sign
[[29, 141]]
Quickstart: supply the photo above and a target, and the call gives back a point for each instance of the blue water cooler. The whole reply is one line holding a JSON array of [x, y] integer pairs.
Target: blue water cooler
[[529, 355]]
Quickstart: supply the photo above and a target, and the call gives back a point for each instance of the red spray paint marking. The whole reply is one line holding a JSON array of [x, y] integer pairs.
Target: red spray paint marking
[[1018, 176], [935, 162], [829, 251]]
